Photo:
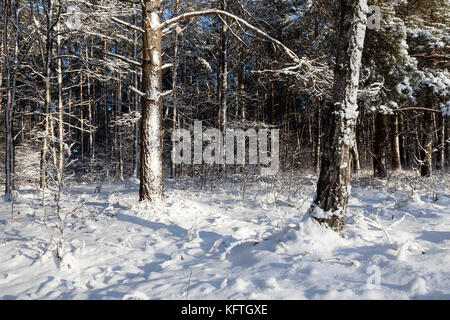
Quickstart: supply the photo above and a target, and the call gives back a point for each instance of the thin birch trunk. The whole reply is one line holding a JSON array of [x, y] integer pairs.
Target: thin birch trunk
[[8, 107], [174, 82], [60, 167], [224, 77], [136, 100]]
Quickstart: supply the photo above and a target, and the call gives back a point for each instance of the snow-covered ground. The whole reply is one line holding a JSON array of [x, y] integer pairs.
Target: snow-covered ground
[[208, 243]]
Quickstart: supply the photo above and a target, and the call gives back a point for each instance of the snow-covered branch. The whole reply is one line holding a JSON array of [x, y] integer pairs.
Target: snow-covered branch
[[241, 21]]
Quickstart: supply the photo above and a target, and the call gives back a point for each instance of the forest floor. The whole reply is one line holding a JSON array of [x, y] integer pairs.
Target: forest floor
[[208, 242]]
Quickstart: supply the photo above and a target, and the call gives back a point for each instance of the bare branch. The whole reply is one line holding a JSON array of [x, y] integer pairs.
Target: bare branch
[[258, 31], [135, 63], [140, 93], [129, 25], [417, 108]]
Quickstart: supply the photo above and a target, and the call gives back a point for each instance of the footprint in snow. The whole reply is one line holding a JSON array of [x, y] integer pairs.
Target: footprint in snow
[[7, 277]]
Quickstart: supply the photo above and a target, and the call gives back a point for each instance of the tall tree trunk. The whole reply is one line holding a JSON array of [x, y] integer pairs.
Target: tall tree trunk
[[2, 69], [223, 103], [90, 118], [9, 145], [447, 141], [379, 158], [440, 159], [402, 141], [318, 136], [119, 130], [223, 69], [356, 166], [60, 166], [151, 169], [48, 123], [241, 85], [426, 148], [82, 118], [396, 164], [13, 97], [174, 83], [136, 100], [333, 188]]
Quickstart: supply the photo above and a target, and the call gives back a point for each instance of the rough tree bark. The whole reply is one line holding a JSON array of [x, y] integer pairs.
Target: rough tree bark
[[60, 110], [11, 86], [223, 76], [8, 107], [426, 149], [90, 116], [151, 170], [47, 40], [426, 145], [318, 134], [333, 188], [223, 72], [175, 82], [447, 141], [356, 166], [396, 164], [136, 99]]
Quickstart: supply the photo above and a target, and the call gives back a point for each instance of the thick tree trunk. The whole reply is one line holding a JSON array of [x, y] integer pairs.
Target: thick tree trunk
[[151, 169], [379, 158], [396, 164], [333, 188]]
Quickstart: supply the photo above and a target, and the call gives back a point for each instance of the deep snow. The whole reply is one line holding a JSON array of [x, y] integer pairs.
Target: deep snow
[[206, 243]]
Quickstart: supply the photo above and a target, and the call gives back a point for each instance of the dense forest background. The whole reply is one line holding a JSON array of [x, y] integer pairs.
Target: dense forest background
[[80, 85], [95, 94]]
